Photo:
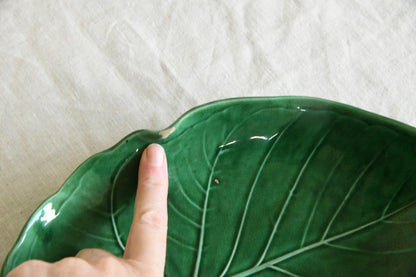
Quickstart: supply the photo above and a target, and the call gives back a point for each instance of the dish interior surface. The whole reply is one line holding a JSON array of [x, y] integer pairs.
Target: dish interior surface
[[284, 186]]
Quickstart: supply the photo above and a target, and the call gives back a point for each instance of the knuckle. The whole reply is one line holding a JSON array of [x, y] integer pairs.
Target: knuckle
[[155, 218], [152, 182], [84, 252], [69, 261], [92, 252], [108, 265], [78, 264], [72, 262], [32, 265], [70, 266]]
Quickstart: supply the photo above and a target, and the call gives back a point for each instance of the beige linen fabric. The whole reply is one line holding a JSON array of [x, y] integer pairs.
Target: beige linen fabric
[[76, 76]]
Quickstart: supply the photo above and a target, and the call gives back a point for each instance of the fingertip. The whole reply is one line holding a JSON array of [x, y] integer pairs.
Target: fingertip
[[154, 155], [153, 168]]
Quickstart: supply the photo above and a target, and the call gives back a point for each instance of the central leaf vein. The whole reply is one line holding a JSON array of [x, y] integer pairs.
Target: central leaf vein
[[320, 243]]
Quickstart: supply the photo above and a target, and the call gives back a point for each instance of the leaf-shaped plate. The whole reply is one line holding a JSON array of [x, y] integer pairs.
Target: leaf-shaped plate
[[285, 186]]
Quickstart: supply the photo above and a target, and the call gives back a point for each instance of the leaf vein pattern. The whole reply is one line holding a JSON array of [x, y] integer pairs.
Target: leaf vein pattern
[[113, 220], [399, 221], [312, 246], [180, 243], [193, 126], [204, 149], [197, 183], [208, 189], [203, 220], [386, 252], [318, 199], [289, 197], [283, 271], [178, 212], [190, 201], [253, 186], [352, 188], [399, 189], [341, 158]]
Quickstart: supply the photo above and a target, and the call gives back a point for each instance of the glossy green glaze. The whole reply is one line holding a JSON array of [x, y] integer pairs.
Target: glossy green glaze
[[281, 186]]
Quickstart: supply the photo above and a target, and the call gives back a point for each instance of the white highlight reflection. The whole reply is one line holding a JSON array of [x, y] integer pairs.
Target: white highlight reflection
[[259, 137], [231, 142], [49, 214], [270, 138], [252, 137], [264, 137]]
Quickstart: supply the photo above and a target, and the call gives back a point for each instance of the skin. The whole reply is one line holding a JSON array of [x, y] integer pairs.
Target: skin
[[146, 245]]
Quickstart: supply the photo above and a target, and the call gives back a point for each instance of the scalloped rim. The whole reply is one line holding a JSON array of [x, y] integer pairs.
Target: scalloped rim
[[339, 106]]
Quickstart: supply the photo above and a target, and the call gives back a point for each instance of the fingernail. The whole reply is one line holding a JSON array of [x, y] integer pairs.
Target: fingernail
[[154, 154]]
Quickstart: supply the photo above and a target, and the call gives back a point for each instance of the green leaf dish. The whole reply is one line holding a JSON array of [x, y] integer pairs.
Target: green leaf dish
[[284, 186]]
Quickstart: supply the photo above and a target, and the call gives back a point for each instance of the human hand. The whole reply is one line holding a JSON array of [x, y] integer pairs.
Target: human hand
[[146, 245]]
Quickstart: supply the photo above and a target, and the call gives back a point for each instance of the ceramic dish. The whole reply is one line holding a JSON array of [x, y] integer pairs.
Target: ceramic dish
[[285, 186]]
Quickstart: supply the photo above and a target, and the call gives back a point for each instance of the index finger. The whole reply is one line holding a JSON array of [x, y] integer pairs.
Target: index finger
[[146, 243]]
